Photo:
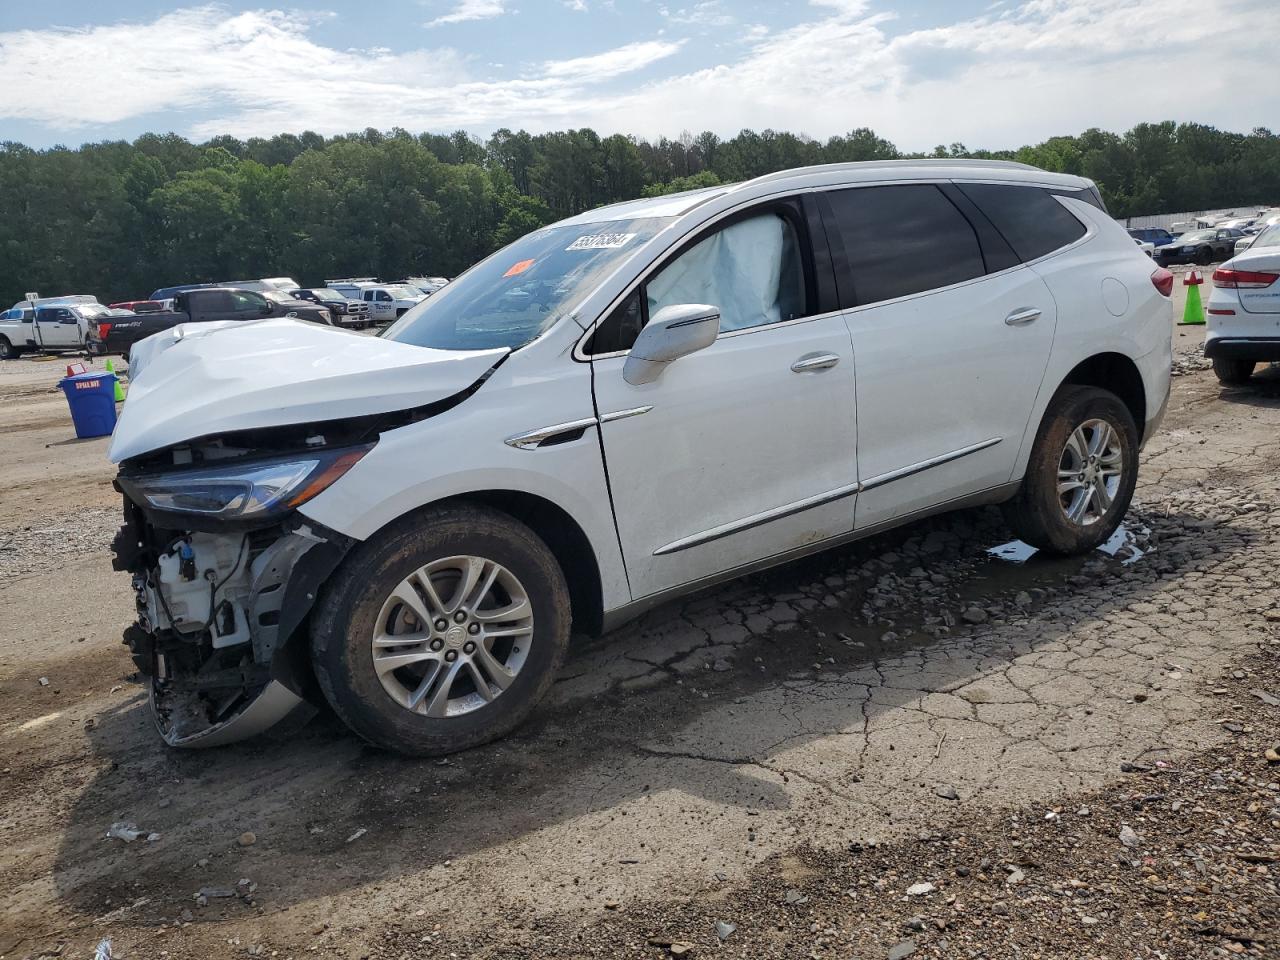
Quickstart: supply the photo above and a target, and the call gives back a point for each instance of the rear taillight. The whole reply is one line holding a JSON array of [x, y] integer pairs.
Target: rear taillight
[[1243, 279], [102, 330], [1162, 280]]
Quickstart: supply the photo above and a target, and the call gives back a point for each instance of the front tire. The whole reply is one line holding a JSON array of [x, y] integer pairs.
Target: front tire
[[444, 633], [1081, 475], [1232, 372], [1205, 258], [7, 349]]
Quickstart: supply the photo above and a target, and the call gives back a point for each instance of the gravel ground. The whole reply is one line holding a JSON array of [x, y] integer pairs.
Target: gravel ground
[[790, 755]]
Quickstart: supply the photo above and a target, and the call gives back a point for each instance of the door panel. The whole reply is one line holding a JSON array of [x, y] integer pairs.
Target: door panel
[[736, 456], [945, 383]]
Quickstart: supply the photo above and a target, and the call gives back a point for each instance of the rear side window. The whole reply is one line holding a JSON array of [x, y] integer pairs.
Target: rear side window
[[900, 240], [1030, 218]]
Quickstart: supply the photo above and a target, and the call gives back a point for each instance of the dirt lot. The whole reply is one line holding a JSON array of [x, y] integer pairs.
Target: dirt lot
[[1069, 754]]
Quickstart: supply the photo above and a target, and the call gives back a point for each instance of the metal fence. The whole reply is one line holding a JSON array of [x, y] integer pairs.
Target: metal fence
[[1167, 220]]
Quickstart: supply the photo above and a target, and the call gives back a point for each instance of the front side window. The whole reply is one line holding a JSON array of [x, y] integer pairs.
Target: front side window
[[751, 270], [904, 239], [1030, 218]]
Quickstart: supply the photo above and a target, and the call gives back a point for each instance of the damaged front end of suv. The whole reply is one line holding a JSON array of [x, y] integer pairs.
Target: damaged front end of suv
[[225, 572], [228, 430]]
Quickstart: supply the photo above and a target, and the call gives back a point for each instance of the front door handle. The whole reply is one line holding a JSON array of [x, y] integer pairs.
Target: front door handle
[[815, 362], [1020, 318]]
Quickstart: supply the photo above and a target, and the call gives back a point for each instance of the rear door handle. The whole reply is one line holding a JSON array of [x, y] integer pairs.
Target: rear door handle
[[1020, 318], [815, 362]]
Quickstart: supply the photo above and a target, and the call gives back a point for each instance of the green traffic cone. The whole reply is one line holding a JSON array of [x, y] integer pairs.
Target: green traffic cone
[[1193, 313], [119, 394]]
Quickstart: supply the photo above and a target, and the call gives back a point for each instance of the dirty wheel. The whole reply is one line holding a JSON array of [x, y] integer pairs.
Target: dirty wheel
[[1233, 372], [1081, 474], [444, 634]]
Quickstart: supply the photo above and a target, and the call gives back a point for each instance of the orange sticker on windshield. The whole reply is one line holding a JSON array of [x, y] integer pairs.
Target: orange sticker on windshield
[[517, 268]]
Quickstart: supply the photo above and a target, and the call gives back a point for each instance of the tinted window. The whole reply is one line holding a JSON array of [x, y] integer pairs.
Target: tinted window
[[905, 239], [1030, 218], [242, 302], [618, 332]]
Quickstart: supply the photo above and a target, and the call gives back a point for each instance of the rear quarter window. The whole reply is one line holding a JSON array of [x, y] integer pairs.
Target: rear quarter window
[[1030, 218]]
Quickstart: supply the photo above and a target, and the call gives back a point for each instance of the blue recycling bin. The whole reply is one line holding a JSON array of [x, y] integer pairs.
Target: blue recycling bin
[[91, 397]]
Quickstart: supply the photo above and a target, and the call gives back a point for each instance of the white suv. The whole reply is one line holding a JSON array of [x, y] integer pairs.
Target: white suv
[[615, 410], [1244, 310]]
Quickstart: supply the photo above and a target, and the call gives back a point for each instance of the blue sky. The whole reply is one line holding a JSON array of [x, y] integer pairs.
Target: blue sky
[[921, 73]]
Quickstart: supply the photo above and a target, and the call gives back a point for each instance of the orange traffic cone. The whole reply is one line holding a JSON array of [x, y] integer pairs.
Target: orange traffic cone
[[1193, 313]]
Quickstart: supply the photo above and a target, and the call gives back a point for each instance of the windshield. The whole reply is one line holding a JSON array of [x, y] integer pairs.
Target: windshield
[[402, 291], [519, 292], [1198, 235], [91, 310], [327, 294], [278, 296]]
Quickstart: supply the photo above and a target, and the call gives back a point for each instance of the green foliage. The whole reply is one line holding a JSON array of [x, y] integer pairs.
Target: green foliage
[[119, 219]]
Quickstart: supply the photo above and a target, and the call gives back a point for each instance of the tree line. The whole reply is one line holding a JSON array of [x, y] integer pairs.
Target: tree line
[[119, 219]]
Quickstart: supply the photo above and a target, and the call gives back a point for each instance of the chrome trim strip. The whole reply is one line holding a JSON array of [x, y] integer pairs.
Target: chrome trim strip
[[755, 520], [530, 440], [615, 618], [872, 482], [623, 414], [822, 361]]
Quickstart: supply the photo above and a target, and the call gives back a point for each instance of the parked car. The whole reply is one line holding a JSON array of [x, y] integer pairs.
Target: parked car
[[54, 324], [427, 285], [112, 335], [1243, 327], [1200, 246], [386, 301], [140, 306], [168, 293], [691, 387], [342, 309], [1147, 248], [1156, 236]]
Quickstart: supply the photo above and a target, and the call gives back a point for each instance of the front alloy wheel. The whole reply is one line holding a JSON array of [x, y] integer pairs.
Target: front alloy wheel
[[452, 636], [442, 632]]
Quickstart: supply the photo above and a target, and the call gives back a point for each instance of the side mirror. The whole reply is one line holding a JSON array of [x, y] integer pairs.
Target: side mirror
[[673, 332]]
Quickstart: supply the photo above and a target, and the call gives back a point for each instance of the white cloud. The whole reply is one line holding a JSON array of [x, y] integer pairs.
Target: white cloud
[[471, 10], [632, 57], [705, 13], [1004, 78]]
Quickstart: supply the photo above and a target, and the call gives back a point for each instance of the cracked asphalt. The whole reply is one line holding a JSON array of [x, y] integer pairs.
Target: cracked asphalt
[[856, 700]]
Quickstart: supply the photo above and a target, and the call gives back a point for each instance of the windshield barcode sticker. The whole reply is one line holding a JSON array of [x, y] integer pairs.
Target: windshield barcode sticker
[[602, 241]]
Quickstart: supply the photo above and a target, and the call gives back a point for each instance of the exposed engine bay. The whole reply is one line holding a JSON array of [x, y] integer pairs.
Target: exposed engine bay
[[217, 607]]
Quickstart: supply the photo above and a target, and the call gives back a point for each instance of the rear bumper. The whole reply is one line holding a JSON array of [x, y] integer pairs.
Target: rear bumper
[[1243, 348]]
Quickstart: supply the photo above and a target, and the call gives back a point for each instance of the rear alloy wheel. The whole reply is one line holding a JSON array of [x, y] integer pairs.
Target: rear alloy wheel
[[1232, 373], [444, 634], [1081, 474]]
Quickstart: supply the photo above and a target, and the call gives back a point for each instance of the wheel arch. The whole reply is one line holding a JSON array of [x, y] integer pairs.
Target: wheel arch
[[1117, 374], [562, 534]]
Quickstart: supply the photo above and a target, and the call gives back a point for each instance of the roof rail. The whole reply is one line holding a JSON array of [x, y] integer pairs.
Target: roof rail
[[890, 164]]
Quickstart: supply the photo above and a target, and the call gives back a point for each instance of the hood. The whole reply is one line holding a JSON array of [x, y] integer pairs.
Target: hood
[[197, 380]]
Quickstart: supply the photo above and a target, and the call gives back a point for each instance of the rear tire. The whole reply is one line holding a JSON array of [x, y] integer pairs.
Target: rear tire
[[1081, 475], [1232, 373], [1205, 257], [7, 350], [509, 631]]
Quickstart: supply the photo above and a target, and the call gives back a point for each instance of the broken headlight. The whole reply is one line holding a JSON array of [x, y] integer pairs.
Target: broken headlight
[[243, 491]]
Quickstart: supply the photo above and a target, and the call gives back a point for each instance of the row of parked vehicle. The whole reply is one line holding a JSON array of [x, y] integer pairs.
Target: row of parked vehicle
[[81, 322], [1205, 243]]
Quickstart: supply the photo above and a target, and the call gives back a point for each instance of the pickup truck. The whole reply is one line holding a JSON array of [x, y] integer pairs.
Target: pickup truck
[[116, 335], [52, 325]]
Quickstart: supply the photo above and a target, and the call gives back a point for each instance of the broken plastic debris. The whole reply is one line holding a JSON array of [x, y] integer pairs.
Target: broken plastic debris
[[357, 835], [210, 893], [44, 681], [103, 951], [128, 832]]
